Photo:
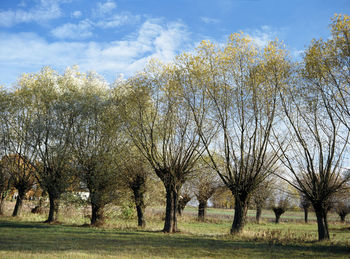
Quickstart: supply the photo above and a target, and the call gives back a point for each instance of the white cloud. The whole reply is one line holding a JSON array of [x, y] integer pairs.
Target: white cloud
[[76, 14], [45, 10], [82, 30], [105, 8], [28, 52], [263, 36], [118, 20], [209, 20]]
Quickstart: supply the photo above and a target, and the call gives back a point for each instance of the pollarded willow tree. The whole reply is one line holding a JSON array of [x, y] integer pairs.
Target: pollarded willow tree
[[98, 141], [317, 129], [161, 126], [50, 101], [235, 90]]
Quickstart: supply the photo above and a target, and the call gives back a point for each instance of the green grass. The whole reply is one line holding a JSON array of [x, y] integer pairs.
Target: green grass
[[27, 237]]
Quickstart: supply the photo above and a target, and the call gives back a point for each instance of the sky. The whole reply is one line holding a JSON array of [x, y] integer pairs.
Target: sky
[[116, 38]]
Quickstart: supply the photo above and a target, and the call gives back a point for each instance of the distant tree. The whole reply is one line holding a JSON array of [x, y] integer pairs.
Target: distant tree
[[204, 183], [184, 198], [222, 198], [136, 174], [305, 205], [260, 196], [341, 204], [279, 202]]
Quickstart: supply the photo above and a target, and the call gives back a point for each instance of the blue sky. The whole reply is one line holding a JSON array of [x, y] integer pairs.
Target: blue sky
[[117, 37]]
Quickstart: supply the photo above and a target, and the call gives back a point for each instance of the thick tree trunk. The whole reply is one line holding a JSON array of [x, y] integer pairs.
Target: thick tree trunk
[[53, 211], [322, 223], [140, 207], [241, 208], [202, 210], [97, 217], [170, 224], [19, 202], [306, 214], [258, 214]]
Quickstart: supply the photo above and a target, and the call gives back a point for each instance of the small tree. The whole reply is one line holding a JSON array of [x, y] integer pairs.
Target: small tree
[[135, 175], [279, 207], [305, 205], [260, 196]]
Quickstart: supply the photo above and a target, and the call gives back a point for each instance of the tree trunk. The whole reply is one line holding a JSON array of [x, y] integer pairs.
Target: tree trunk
[[258, 214], [53, 211], [170, 224], [140, 207], [322, 223], [2, 205], [97, 217], [342, 217], [202, 210], [19, 202], [241, 208], [278, 212], [306, 214]]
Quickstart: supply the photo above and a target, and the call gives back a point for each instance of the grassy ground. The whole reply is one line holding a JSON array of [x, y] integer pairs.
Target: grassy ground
[[27, 237]]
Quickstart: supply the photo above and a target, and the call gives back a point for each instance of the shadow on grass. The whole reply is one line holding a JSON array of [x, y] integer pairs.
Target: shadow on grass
[[39, 237]]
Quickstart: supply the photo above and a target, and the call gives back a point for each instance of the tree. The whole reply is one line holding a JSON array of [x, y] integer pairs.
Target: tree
[[260, 196], [341, 204], [47, 96], [204, 183], [305, 205], [97, 144], [279, 202], [317, 138], [235, 91], [22, 177], [162, 128], [136, 175]]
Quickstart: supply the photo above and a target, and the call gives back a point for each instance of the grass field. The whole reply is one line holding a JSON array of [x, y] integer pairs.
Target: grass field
[[27, 237]]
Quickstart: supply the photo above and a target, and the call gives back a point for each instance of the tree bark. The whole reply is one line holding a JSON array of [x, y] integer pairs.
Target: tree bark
[[140, 207], [170, 224], [278, 212], [202, 210], [2, 205], [322, 223], [258, 214], [97, 217], [239, 219], [306, 214], [53, 211], [19, 202], [342, 216]]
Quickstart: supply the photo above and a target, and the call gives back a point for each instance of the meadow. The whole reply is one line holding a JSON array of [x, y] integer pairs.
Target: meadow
[[27, 237]]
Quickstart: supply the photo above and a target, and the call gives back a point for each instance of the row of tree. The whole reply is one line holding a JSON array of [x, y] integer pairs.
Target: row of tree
[[246, 113]]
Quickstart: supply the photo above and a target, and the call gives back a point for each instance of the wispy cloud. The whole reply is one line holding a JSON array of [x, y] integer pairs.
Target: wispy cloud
[[26, 52], [264, 35], [105, 8], [77, 14], [118, 20], [82, 30], [209, 20], [44, 10]]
